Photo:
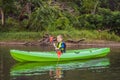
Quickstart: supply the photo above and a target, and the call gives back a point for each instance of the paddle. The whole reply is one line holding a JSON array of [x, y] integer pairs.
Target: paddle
[[51, 39], [57, 51]]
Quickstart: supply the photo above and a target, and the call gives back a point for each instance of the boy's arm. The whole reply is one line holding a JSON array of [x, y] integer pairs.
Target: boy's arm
[[54, 45]]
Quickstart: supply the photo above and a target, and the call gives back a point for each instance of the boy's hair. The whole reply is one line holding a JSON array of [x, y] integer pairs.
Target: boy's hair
[[60, 36]]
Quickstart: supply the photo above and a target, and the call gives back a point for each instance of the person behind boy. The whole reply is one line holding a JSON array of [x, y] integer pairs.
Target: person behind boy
[[60, 45]]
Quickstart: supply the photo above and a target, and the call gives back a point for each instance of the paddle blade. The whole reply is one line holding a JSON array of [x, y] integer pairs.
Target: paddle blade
[[59, 53], [51, 39]]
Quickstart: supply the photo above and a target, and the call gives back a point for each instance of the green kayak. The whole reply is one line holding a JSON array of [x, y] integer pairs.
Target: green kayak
[[25, 56], [39, 68]]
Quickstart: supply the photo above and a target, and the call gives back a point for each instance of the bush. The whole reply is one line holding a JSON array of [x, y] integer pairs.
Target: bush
[[11, 25], [116, 22], [90, 21]]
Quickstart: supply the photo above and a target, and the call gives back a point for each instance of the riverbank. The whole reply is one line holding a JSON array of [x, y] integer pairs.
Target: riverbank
[[83, 43], [74, 37]]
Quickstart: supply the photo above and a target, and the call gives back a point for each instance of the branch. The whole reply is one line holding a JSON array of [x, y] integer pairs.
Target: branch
[[95, 7]]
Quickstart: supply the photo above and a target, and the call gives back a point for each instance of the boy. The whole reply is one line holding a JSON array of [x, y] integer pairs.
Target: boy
[[60, 45]]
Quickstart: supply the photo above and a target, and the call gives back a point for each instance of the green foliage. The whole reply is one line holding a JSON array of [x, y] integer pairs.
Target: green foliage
[[49, 18], [62, 23], [88, 5], [110, 4], [7, 5], [67, 15], [90, 21], [111, 20], [73, 34], [106, 36], [43, 17], [104, 19], [115, 26]]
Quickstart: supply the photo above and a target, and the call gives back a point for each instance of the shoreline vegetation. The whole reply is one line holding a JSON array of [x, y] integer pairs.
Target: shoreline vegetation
[[74, 37], [25, 22]]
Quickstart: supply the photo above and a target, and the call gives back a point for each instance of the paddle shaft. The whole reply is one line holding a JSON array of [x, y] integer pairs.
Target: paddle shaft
[[57, 50]]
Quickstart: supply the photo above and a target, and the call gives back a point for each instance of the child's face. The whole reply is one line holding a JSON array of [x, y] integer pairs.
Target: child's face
[[59, 39]]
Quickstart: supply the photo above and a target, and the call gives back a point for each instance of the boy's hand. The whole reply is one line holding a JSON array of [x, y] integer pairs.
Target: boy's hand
[[56, 48], [54, 45]]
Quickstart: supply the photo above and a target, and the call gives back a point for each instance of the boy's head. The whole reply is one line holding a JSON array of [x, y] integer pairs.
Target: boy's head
[[59, 38]]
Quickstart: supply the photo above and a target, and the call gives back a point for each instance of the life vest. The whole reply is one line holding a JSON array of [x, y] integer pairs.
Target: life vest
[[62, 47]]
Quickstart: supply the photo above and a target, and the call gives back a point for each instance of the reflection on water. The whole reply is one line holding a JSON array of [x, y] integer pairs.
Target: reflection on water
[[56, 69], [57, 74]]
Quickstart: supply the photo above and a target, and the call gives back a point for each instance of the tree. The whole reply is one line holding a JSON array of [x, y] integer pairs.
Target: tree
[[43, 16], [6, 6], [2, 13]]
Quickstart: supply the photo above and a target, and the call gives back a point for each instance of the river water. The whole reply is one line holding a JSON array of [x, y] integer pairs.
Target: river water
[[107, 68]]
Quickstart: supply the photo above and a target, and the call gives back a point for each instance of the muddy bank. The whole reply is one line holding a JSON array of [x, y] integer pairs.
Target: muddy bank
[[84, 43]]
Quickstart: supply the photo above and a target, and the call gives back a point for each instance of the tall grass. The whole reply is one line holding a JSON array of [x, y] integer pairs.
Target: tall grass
[[88, 35], [71, 34], [20, 36]]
